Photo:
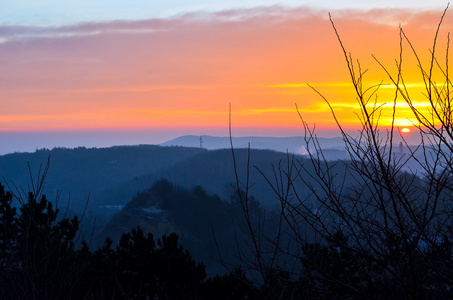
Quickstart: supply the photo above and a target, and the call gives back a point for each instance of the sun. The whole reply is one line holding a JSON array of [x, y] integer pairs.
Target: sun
[[405, 130]]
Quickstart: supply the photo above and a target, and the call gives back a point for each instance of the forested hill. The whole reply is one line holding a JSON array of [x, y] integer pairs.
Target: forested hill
[[214, 172], [206, 224], [113, 176], [83, 171]]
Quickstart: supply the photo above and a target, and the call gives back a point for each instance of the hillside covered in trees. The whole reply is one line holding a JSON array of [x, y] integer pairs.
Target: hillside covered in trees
[[206, 224], [42, 257]]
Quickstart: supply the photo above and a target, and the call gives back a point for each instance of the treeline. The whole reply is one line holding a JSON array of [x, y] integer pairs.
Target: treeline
[[43, 254], [41, 258], [205, 223]]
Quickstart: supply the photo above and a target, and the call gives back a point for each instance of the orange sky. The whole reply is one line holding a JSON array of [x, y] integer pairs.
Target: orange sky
[[183, 72]]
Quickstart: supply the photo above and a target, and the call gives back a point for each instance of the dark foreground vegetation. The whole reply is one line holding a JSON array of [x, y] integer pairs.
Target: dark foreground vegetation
[[42, 258], [43, 254]]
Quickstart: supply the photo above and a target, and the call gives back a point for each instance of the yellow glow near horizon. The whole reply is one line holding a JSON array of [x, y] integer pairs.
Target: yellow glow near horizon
[[405, 122]]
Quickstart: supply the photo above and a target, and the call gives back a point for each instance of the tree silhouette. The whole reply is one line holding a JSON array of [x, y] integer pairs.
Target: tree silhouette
[[370, 227], [42, 258], [37, 251]]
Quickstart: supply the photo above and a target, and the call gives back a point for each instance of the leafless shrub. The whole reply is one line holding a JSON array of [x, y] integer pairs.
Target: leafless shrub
[[369, 227]]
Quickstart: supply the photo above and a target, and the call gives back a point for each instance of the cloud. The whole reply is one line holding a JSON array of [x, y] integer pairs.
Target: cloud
[[24, 33]]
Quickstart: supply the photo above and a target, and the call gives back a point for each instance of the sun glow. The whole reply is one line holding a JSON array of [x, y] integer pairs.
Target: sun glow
[[405, 130]]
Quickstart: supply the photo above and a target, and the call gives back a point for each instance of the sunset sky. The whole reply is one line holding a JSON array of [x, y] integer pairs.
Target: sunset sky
[[153, 71]]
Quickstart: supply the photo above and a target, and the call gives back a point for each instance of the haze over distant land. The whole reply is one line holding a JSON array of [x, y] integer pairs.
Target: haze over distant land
[[294, 145], [29, 141], [11, 142]]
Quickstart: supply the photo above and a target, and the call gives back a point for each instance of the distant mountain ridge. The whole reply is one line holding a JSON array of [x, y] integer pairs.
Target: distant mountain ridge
[[294, 145]]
